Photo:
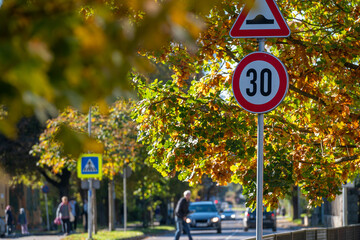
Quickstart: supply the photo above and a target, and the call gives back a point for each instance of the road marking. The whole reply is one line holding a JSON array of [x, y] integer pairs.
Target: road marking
[[237, 230]]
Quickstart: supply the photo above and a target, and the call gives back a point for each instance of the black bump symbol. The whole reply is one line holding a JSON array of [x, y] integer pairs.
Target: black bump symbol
[[260, 19]]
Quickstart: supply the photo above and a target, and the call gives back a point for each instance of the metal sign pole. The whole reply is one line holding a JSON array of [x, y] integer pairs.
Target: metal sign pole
[[47, 213], [90, 207], [260, 166], [260, 180], [241, 94], [125, 203]]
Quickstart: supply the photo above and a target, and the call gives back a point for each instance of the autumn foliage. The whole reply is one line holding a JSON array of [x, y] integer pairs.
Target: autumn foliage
[[194, 125], [113, 134]]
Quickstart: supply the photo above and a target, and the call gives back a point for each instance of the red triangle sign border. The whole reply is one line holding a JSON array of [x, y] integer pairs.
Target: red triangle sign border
[[284, 30]]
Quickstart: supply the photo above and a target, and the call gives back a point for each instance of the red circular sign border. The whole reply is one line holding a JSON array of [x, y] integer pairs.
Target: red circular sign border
[[283, 82]]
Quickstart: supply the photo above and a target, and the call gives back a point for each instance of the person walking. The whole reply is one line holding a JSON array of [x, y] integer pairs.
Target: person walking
[[23, 221], [9, 220], [63, 212], [181, 211], [75, 212]]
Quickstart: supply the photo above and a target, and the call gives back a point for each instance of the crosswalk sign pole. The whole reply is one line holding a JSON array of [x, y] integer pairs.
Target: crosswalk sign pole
[[90, 207], [89, 166]]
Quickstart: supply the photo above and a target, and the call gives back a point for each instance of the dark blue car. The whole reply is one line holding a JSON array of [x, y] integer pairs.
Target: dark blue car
[[204, 216], [269, 219]]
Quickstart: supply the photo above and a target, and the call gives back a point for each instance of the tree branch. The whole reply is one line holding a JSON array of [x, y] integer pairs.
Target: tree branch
[[305, 94], [337, 161], [48, 179], [352, 66], [166, 98], [231, 54], [302, 43], [346, 159]]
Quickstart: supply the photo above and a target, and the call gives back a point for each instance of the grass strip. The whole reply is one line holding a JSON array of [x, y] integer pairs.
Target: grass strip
[[117, 235], [106, 235]]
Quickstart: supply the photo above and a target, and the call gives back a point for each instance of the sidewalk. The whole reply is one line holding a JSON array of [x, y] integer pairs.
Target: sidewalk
[[44, 236]]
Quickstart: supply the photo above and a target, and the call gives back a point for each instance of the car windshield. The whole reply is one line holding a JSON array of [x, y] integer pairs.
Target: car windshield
[[228, 211], [203, 208], [253, 212]]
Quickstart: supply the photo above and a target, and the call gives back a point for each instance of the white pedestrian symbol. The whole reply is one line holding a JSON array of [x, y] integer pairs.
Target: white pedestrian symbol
[[90, 167]]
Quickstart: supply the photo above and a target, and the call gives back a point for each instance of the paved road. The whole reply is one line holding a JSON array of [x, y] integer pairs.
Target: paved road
[[231, 230]]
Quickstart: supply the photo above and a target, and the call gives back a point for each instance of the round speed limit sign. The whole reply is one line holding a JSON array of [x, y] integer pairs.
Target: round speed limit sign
[[260, 82]]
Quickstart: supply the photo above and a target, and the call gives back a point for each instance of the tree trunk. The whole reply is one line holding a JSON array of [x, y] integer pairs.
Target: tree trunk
[[111, 205], [144, 210], [164, 211], [295, 203], [63, 184]]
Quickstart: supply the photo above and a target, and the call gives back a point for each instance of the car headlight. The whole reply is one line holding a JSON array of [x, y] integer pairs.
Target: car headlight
[[233, 216], [223, 216], [188, 220], [215, 219]]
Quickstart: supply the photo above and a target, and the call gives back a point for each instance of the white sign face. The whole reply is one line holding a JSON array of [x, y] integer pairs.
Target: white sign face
[[260, 82], [260, 17], [90, 167]]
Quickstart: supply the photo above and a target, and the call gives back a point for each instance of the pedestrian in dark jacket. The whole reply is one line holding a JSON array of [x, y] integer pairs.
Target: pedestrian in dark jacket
[[63, 212], [23, 221], [9, 220], [181, 211]]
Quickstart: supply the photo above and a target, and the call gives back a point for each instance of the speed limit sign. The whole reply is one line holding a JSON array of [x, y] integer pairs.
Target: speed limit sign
[[260, 82]]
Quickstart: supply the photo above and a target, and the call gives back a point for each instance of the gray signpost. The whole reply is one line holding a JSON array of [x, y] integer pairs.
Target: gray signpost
[[260, 81], [45, 189], [89, 166], [125, 199], [126, 174]]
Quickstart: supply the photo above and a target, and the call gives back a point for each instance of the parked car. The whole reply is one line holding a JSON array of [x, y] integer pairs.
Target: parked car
[[204, 216], [2, 227], [228, 215], [269, 219]]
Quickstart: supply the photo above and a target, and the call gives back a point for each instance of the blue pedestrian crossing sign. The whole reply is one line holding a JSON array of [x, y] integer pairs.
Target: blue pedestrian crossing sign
[[90, 166]]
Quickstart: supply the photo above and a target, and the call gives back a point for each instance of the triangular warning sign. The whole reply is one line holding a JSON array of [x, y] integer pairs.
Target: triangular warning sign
[[261, 19], [90, 167]]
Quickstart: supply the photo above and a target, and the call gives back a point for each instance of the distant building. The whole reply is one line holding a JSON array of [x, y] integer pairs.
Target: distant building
[[20, 196], [4, 198], [333, 213]]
